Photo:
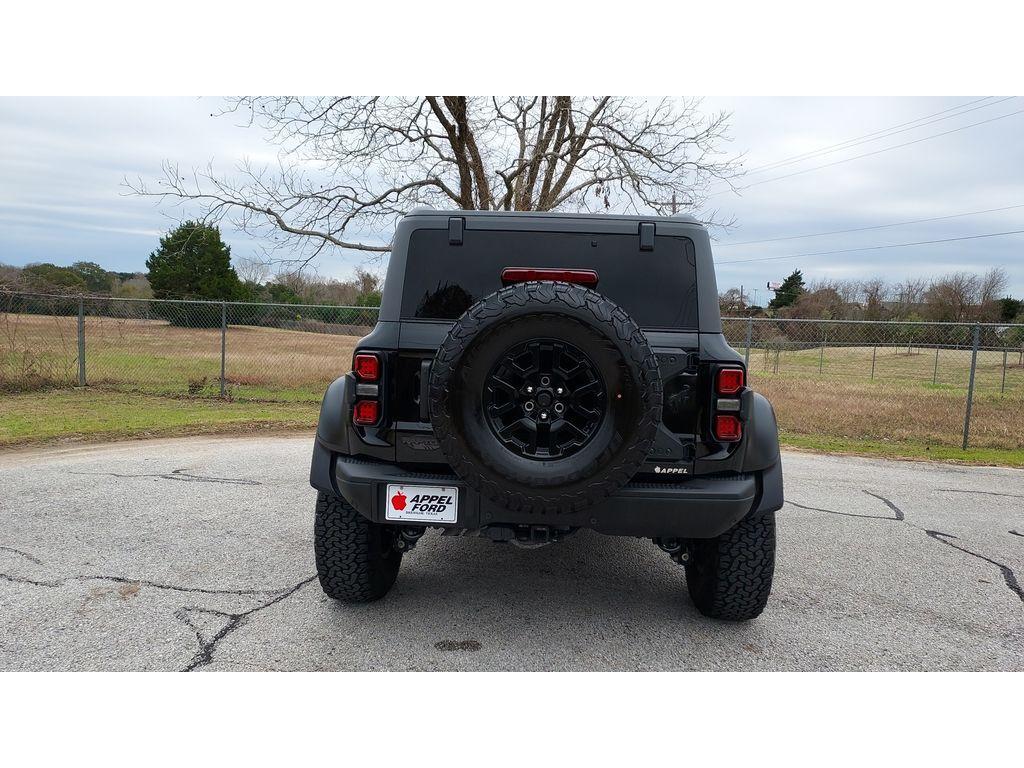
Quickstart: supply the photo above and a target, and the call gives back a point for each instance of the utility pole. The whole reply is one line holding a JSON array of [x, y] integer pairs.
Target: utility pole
[[674, 205]]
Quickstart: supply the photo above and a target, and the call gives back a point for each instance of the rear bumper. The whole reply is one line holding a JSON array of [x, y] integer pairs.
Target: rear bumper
[[698, 507]]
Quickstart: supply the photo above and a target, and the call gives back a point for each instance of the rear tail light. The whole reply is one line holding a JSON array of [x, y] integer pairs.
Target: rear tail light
[[586, 277], [366, 412], [366, 366], [728, 428], [729, 381]]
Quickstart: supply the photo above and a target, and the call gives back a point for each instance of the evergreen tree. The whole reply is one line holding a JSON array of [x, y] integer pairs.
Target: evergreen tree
[[193, 262], [789, 292]]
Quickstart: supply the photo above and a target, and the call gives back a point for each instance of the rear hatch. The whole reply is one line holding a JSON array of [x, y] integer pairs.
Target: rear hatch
[[654, 280]]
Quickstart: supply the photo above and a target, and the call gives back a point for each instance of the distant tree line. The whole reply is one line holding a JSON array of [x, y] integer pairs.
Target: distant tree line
[[82, 277], [955, 297], [193, 262]]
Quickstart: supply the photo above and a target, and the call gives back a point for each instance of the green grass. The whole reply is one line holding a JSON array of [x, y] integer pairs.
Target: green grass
[[904, 450], [100, 415], [92, 414]]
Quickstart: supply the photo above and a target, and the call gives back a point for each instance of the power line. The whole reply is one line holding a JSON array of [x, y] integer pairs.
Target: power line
[[880, 151], [873, 247], [865, 229], [875, 135]]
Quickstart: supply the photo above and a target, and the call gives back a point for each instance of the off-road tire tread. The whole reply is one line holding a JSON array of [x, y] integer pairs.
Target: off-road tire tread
[[598, 311], [738, 565], [349, 561]]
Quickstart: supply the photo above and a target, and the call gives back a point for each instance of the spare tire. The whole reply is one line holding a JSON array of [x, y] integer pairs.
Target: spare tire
[[545, 397]]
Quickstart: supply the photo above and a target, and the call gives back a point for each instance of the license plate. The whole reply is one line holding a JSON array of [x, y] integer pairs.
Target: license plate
[[423, 503]]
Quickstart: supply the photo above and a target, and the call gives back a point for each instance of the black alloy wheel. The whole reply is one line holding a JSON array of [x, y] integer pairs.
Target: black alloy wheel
[[544, 399]]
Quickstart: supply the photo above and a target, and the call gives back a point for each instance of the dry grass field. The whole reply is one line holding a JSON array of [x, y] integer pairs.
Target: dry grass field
[[152, 356], [891, 395], [884, 396]]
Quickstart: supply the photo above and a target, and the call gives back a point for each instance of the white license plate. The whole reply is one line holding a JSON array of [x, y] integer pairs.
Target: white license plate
[[422, 503]]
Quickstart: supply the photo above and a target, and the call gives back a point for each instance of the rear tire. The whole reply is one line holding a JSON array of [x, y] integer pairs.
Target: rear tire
[[730, 577], [356, 560]]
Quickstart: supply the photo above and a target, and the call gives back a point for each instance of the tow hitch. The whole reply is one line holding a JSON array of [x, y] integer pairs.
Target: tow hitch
[[676, 549]]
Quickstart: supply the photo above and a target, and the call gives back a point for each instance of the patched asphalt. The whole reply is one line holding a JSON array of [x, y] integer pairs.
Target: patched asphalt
[[196, 554]]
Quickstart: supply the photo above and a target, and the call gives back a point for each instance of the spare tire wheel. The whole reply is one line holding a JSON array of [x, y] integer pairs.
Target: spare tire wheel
[[545, 397]]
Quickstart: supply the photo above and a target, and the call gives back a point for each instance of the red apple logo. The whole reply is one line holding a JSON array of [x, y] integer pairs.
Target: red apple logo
[[398, 501]]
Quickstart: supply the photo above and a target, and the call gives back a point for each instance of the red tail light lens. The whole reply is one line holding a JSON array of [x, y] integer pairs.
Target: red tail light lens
[[728, 428], [366, 413], [730, 381], [586, 277], [366, 366]]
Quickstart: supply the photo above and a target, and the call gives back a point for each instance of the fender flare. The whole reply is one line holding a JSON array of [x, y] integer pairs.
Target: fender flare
[[332, 435], [762, 455], [762, 436]]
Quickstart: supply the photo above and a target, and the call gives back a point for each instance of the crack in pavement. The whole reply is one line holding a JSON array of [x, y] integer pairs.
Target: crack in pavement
[[26, 555], [175, 588], [1008, 575], [204, 655], [207, 646], [22, 580], [983, 493], [1016, 533], [141, 582], [896, 510], [176, 474]]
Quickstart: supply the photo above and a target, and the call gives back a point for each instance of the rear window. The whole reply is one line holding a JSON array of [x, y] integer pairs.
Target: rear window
[[658, 288]]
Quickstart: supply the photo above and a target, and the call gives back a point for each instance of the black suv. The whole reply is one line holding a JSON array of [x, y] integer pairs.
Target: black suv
[[532, 374]]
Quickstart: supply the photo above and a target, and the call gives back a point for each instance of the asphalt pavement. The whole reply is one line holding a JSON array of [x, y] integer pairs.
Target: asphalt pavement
[[196, 554]]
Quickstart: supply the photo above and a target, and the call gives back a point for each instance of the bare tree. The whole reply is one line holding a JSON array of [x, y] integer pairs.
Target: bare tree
[[348, 166], [252, 270], [910, 295], [992, 287], [731, 302], [874, 292], [953, 297]]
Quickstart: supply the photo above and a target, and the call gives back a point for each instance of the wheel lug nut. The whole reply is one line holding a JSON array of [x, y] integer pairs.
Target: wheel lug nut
[[559, 408], [528, 406], [544, 381]]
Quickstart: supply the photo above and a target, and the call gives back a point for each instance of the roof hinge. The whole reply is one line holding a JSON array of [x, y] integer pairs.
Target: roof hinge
[[646, 235], [456, 225]]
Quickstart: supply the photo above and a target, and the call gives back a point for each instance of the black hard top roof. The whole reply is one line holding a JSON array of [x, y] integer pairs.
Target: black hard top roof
[[679, 218]]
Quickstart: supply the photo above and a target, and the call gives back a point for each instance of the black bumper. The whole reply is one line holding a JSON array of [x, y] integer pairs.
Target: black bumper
[[697, 507]]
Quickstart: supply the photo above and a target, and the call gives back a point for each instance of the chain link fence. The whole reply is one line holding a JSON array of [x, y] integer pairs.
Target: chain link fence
[[889, 381], [930, 383], [232, 350]]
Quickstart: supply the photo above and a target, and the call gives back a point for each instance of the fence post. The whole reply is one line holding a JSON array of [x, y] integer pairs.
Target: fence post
[[935, 370], [821, 354], [750, 334], [1002, 386], [970, 383], [223, 343], [81, 341], [874, 352]]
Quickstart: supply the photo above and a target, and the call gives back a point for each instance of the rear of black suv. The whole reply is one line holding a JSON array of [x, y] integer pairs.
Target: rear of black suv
[[534, 374]]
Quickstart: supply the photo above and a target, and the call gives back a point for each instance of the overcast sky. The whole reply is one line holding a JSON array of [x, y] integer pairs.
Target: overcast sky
[[62, 162]]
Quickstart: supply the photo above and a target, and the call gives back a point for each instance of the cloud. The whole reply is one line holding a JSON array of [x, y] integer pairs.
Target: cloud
[[973, 169], [62, 161]]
